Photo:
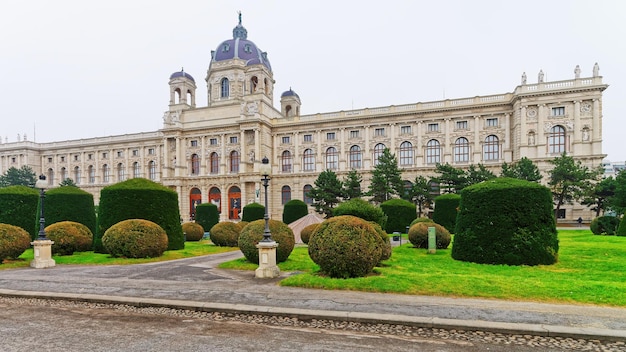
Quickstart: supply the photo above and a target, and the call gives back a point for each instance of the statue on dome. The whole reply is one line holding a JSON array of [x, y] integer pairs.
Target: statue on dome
[[239, 12]]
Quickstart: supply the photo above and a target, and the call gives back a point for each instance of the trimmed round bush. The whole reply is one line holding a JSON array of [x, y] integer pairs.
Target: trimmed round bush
[[241, 225], [140, 198], [446, 208], [345, 246], [207, 215], [604, 225], [193, 231], [385, 243], [294, 210], [361, 209], [307, 231], [14, 241], [506, 221], [225, 234], [18, 207], [253, 233], [420, 220], [70, 203], [135, 238], [418, 235], [69, 237], [400, 212], [252, 212]]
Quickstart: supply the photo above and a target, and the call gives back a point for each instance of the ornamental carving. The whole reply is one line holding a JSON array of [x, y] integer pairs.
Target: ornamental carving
[[585, 108], [531, 112]]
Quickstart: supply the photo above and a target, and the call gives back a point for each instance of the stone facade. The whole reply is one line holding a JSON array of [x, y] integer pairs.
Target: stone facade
[[213, 153]]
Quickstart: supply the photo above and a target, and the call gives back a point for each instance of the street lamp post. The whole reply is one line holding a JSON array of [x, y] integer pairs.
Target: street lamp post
[[265, 171], [41, 184], [267, 246], [42, 246]]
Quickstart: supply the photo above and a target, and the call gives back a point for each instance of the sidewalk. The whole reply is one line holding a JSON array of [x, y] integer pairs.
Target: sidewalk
[[196, 283]]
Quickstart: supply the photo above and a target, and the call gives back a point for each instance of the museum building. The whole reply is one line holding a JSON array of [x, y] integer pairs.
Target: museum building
[[212, 153]]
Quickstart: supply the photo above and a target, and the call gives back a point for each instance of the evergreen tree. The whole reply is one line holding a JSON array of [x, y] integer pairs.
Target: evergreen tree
[[386, 178], [420, 194], [450, 179], [478, 174], [352, 185], [599, 199], [618, 201], [24, 176], [570, 180], [326, 193], [68, 182], [524, 169]]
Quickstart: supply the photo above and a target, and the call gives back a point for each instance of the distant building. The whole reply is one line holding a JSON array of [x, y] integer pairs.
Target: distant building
[[612, 168], [212, 153]]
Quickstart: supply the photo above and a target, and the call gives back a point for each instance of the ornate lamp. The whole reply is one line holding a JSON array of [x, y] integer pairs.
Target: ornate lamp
[[266, 170], [42, 184]]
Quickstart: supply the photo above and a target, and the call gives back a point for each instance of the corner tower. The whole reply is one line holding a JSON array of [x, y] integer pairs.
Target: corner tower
[[239, 71], [182, 91]]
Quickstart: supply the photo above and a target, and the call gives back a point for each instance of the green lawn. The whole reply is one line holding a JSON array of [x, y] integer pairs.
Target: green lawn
[[192, 249], [591, 270]]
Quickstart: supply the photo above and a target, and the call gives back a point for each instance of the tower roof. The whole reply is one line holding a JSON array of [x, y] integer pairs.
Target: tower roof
[[241, 48], [181, 73]]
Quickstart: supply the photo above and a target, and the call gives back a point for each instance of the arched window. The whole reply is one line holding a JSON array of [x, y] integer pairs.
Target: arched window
[[121, 172], [286, 161], [433, 152], [234, 161], [305, 194], [332, 159], [308, 160], [106, 173], [378, 151], [92, 174], [288, 110], [215, 163], [285, 194], [152, 170], [355, 157], [63, 174], [556, 140], [491, 148], [267, 86], [461, 150], [195, 164], [225, 88], [408, 186], [135, 169], [406, 153], [50, 177], [77, 175]]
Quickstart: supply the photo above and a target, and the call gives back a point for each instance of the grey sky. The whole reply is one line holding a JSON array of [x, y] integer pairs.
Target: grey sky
[[79, 69]]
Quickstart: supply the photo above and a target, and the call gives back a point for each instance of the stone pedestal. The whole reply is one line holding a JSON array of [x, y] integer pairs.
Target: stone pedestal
[[43, 254], [267, 261]]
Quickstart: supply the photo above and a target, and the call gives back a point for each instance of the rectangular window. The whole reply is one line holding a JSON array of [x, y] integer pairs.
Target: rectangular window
[[89, 156], [379, 132], [354, 134], [49, 160], [213, 141], [105, 155], [405, 130], [120, 154], [433, 127], [308, 138], [286, 140], [75, 157], [135, 152], [194, 143], [461, 125], [492, 122], [62, 159], [150, 151], [233, 140], [558, 111], [13, 160], [330, 136]]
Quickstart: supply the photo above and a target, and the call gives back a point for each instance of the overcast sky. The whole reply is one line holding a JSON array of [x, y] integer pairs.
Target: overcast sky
[[80, 69]]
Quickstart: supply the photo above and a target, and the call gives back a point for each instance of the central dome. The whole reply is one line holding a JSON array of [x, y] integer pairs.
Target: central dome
[[241, 48]]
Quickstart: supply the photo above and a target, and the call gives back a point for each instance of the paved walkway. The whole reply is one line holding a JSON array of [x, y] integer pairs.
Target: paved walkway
[[196, 283]]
